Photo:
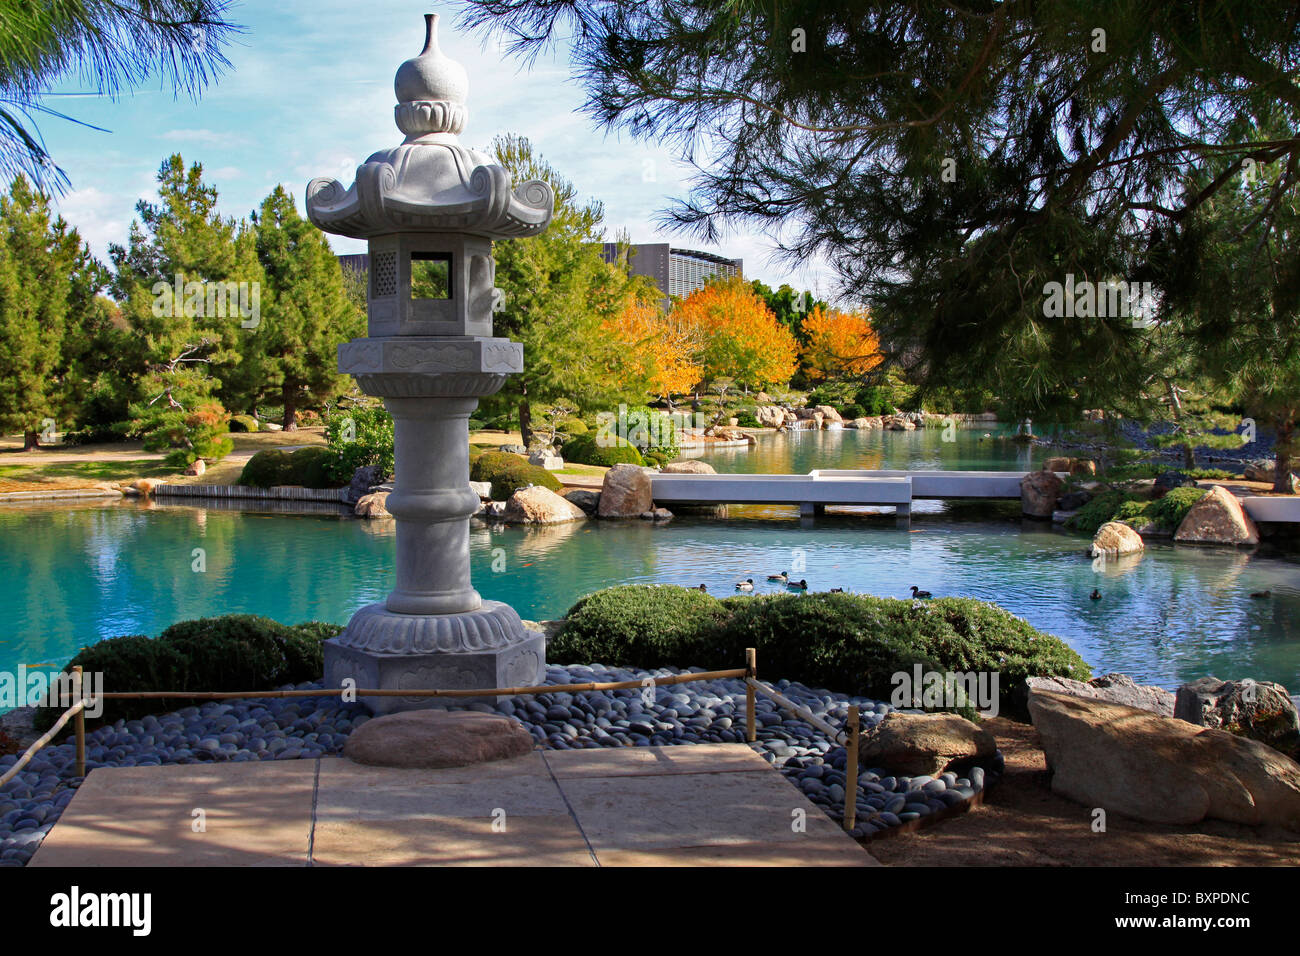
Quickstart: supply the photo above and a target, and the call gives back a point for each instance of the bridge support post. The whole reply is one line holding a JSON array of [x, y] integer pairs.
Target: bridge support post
[[903, 516]]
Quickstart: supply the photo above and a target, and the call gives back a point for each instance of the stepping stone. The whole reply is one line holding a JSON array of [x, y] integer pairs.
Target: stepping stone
[[430, 739]]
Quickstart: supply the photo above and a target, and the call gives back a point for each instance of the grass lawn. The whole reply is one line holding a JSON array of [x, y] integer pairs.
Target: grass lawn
[[78, 474]]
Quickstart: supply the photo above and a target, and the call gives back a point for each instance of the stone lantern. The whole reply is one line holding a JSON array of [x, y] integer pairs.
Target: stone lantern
[[429, 209]]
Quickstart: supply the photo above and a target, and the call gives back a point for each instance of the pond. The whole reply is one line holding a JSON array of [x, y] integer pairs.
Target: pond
[[77, 574]]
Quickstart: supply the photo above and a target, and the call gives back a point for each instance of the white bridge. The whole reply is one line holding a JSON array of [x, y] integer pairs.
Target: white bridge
[[817, 489]]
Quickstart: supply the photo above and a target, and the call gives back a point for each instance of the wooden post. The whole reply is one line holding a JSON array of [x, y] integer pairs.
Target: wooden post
[[80, 724], [751, 668], [851, 770]]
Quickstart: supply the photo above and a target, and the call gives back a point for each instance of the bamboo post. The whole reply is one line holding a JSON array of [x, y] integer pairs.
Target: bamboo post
[[851, 770], [751, 671], [80, 724]]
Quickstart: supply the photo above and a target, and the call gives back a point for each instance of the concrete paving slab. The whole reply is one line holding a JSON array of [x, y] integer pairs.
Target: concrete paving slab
[[810, 851], [451, 841], [641, 761]]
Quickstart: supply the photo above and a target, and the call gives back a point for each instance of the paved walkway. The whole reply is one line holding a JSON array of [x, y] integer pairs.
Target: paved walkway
[[708, 804]]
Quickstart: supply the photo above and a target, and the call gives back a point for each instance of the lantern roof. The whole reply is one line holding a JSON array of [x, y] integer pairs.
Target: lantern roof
[[430, 182]]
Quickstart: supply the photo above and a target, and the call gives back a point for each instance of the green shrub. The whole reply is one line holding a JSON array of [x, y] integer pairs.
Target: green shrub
[[234, 652], [266, 469], [1165, 513], [358, 437], [657, 459], [573, 427], [746, 420], [584, 450], [851, 411], [313, 468], [243, 423], [846, 642], [642, 626], [645, 428], [508, 473], [1098, 511]]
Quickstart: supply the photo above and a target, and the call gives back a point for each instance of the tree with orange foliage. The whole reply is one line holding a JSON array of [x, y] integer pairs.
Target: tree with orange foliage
[[740, 337], [840, 344], [661, 348]]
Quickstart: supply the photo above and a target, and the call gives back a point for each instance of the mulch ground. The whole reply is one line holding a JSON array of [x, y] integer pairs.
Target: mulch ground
[[1022, 823]]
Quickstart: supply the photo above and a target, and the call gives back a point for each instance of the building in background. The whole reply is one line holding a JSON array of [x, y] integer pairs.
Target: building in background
[[676, 272]]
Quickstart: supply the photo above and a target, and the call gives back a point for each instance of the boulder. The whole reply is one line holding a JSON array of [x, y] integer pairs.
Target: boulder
[[1260, 710], [146, 486], [829, 414], [588, 501], [1217, 519], [625, 492], [513, 449], [363, 479], [805, 413], [546, 459], [538, 505], [1039, 491], [494, 510], [1115, 538], [1167, 481], [897, 423], [373, 506], [914, 744], [689, 466], [482, 488], [197, 467], [1161, 770], [1261, 469], [1113, 688], [432, 739], [270, 427], [770, 416], [1074, 500], [1072, 466]]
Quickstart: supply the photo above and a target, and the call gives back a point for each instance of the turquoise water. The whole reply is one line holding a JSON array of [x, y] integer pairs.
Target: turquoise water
[[76, 574]]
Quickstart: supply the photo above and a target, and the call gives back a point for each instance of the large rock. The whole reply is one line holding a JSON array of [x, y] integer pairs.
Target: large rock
[[363, 479], [546, 458], [770, 416], [587, 500], [432, 739], [626, 492], [1217, 518], [197, 467], [914, 744], [1261, 469], [1153, 768], [829, 414], [1038, 493], [373, 506], [688, 466], [538, 505], [1113, 688], [482, 488], [1072, 466], [1260, 710], [1115, 538], [897, 423]]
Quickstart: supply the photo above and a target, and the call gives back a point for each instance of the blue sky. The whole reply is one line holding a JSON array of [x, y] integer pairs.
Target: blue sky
[[311, 94]]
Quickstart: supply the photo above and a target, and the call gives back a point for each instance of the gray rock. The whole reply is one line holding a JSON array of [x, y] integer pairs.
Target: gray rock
[[1260, 710], [1116, 688]]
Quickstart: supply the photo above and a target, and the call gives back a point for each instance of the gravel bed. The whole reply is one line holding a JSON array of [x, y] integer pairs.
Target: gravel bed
[[702, 712]]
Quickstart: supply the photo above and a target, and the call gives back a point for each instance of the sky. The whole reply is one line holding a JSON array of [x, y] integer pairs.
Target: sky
[[310, 93]]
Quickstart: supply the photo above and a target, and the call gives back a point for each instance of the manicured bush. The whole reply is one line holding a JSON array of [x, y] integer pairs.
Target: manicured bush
[[313, 468], [357, 437], [508, 473], [845, 642], [234, 652], [641, 626], [851, 411], [266, 469], [573, 427], [584, 450], [746, 420], [1098, 511], [243, 423]]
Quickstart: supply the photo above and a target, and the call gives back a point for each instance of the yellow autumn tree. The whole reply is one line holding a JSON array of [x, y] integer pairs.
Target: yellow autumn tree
[[661, 349], [739, 336], [840, 344]]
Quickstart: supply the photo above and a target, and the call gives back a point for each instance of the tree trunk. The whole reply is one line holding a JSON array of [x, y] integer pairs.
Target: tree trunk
[[1189, 455], [290, 420], [31, 440], [1282, 448], [525, 423]]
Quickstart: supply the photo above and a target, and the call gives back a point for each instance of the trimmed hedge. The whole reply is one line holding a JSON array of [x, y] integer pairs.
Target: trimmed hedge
[[266, 469], [583, 450], [243, 423], [309, 467], [851, 643], [233, 652], [508, 473]]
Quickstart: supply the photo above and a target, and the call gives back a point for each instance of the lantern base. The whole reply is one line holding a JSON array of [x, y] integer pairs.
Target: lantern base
[[483, 648]]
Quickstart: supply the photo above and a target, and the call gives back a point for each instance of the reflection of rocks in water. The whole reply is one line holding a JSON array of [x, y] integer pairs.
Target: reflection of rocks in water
[[1112, 566], [540, 539]]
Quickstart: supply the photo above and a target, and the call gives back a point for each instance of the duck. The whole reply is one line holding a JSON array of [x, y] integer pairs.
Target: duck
[[1261, 594], [836, 591], [1095, 595], [918, 594], [798, 585], [783, 577], [704, 588], [746, 585]]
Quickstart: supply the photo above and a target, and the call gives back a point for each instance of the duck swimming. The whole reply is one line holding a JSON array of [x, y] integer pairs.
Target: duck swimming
[[798, 585], [1261, 594], [746, 585], [918, 594], [704, 588], [782, 577], [1095, 595]]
